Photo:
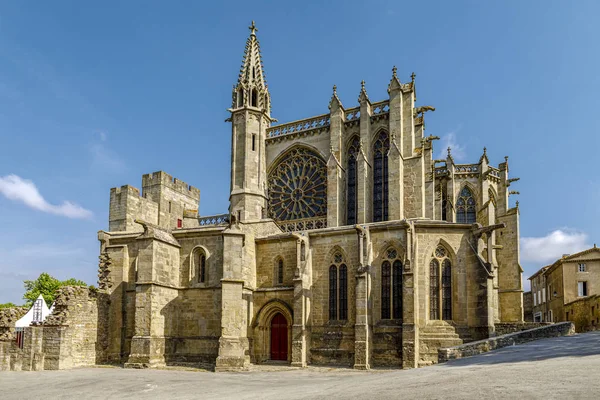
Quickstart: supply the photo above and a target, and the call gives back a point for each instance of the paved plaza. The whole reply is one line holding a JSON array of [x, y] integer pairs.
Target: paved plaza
[[564, 367]]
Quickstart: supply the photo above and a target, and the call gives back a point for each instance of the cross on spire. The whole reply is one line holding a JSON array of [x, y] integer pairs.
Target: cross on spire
[[253, 29]]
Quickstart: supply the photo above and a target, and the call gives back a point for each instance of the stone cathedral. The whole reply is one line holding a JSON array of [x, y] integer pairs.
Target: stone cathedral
[[345, 243]]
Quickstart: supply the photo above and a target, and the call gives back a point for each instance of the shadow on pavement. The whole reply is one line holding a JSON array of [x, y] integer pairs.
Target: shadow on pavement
[[581, 345]]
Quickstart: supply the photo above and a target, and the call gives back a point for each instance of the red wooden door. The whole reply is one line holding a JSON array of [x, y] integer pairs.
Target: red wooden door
[[279, 338]]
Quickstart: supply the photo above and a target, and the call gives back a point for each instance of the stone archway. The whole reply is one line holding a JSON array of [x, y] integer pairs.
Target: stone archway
[[273, 317]]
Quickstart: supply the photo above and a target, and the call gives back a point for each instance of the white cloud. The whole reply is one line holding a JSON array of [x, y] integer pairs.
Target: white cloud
[[15, 188], [459, 152], [551, 247]]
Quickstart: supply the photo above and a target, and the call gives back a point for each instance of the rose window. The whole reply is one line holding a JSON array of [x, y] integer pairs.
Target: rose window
[[298, 186]]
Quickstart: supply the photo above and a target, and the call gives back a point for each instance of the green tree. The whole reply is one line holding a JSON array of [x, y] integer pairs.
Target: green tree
[[46, 285], [8, 305]]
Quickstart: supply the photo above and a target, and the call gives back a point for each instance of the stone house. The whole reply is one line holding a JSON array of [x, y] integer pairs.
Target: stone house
[[564, 288]]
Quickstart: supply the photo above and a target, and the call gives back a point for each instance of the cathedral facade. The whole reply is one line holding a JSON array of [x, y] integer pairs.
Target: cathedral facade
[[345, 243]]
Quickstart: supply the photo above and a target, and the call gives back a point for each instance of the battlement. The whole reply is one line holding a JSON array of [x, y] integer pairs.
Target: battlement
[[166, 180], [125, 189]]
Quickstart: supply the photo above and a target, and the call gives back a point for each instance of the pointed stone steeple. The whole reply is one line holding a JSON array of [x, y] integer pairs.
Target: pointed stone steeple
[[251, 89], [395, 83], [335, 101], [363, 96]]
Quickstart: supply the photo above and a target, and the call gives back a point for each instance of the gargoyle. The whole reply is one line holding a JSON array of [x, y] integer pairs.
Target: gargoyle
[[424, 109]]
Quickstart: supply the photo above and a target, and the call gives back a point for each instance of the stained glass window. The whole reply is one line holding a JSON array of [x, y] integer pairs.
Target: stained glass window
[[333, 292], [397, 289], [351, 204], [343, 293], [434, 289], [380, 177], [280, 271], [200, 265], [391, 285], [202, 268], [298, 186], [338, 288], [440, 285], [386, 271], [466, 207], [446, 290]]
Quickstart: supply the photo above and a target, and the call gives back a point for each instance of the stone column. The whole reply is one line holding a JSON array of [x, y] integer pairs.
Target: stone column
[[410, 330], [233, 343], [299, 347], [364, 172], [395, 160], [335, 178], [362, 328]]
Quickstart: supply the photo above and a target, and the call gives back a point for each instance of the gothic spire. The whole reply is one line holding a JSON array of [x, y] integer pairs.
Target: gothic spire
[[252, 71], [251, 88]]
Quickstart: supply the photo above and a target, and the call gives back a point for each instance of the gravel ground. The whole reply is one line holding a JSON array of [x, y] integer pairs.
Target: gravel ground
[[565, 367]]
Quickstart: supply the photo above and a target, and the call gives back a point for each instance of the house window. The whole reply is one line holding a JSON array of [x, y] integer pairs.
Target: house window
[[179, 223], [351, 171], [581, 267], [391, 285], [253, 142], [535, 299], [280, 271], [380, 177], [169, 206], [440, 285], [582, 289], [543, 296], [338, 289]]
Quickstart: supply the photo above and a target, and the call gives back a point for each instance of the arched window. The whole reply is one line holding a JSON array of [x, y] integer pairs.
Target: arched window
[[380, 177], [254, 98], [280, 271], [440, 285], [338, 288], [351, 203], [200, 265], [466, 207], [333, 292], [391, 285], [240, 97]]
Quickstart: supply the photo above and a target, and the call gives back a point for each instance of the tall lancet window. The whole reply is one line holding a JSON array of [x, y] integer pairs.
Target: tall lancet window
[[466, 207], [380, 177], [440, 285], [351, 171]]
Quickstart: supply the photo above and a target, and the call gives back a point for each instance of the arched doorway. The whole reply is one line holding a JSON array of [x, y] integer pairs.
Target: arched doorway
[[279, 338]]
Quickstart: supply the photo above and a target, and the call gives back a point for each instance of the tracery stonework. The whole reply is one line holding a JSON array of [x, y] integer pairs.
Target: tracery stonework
[[366, 265], [297, 186]]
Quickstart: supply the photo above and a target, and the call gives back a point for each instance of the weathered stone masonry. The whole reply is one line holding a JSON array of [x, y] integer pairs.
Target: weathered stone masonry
[[345, 243]]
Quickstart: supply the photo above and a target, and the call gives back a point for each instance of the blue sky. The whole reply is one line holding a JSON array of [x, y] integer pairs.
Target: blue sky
[[94, 95]]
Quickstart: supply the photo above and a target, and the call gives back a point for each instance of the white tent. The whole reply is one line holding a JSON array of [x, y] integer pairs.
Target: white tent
[[37, 313]]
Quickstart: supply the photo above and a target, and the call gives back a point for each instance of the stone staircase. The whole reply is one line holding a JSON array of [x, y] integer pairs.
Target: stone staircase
[[435, 335]]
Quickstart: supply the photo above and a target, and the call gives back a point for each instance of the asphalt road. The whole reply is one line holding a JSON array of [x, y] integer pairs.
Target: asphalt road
[[565, 368]]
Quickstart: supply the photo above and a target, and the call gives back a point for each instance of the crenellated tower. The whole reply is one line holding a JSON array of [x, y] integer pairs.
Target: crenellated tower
[[250, 118]]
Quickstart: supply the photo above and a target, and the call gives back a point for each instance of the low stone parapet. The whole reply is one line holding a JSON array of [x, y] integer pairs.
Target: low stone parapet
[[483, 346]]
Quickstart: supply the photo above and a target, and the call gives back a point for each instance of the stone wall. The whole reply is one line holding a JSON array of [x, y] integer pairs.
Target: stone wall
[[505, 328], [584, 313], [483, 346], [67, 338], [528, 306]]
